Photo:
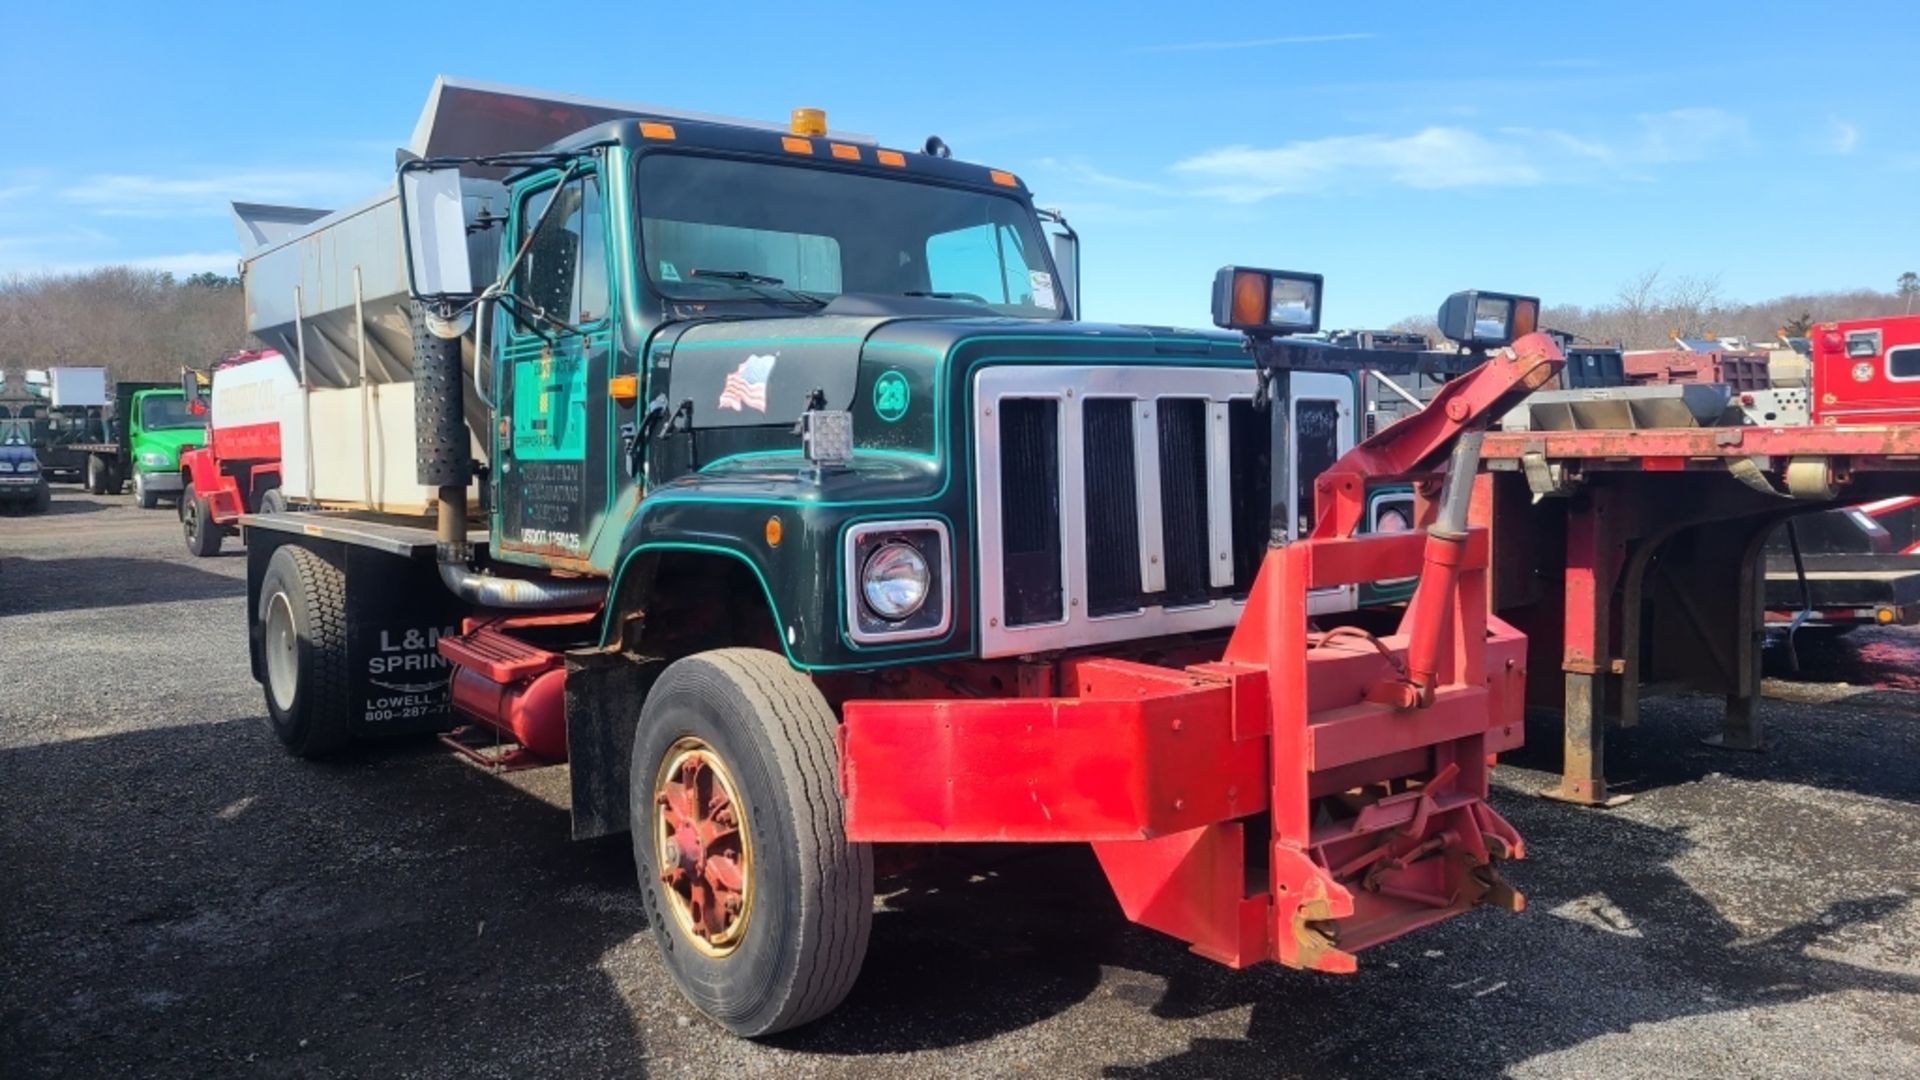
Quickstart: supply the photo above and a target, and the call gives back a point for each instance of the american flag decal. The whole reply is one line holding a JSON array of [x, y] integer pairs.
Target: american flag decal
[[747, 384]]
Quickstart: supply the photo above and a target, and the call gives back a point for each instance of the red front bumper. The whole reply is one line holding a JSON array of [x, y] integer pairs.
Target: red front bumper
[[1376, 816]]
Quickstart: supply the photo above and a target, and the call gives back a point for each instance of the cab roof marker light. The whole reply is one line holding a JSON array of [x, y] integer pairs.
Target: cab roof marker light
[[844, 152], [796, 145], [653, 129], [1004, 179], [890, 157], [806, 121]]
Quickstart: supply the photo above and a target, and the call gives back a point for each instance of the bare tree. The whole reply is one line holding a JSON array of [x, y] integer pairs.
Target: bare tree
[[139, 324], [1906, 288]]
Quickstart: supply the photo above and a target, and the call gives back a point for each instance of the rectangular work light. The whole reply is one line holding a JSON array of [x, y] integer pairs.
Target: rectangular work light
[[1266, 301], [1476, 317]]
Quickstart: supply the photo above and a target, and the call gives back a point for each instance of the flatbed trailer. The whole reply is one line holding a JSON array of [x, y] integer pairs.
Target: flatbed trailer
[[1633, 557]]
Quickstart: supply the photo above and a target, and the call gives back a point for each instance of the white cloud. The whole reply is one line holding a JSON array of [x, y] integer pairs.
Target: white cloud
[[1687, 134], [1842, 138], [1454, 157], [209, 193], [1438, 157], [1251, 43]]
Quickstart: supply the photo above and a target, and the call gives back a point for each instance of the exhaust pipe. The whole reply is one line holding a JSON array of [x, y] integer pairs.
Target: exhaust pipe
[[441, 459]]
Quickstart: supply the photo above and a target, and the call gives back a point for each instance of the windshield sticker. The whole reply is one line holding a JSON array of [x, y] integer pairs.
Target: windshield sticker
[[1042, 283], [747, 384], [891, 393], [668, 272]]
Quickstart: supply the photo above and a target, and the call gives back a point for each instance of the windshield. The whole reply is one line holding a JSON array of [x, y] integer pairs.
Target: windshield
[[160, 411], [721, 229]]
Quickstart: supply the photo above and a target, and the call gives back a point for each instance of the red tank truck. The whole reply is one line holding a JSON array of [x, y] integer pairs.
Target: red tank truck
[[238, 470]]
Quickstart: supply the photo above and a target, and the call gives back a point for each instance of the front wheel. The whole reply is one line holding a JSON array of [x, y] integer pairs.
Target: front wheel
[[144, 495], [272, 502], [196, 521], [760, 905]]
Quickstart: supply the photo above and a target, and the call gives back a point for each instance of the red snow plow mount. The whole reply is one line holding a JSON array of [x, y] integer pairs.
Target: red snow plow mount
[[1366, 759]]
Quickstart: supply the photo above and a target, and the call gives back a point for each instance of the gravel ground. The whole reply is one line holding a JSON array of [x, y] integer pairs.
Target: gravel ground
[[180, 899]]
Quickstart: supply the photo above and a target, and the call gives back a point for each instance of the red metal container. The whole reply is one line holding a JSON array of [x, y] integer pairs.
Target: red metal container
[[1742, 370]]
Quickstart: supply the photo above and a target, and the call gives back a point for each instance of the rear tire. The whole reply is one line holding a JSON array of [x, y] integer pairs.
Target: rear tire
[[196, 521], [807, 902], [303, 621], [99, 474]]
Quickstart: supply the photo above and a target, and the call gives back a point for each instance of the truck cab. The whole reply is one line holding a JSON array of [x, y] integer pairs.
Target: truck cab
[[156, 427]]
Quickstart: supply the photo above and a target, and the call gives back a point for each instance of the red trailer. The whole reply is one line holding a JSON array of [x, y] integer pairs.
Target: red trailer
[[238, 470]]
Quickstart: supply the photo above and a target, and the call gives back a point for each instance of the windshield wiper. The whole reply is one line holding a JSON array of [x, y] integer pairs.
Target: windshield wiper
[[974, 297], [766, 285]]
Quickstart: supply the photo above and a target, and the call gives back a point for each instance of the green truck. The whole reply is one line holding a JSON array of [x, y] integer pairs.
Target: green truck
[[151, 426]]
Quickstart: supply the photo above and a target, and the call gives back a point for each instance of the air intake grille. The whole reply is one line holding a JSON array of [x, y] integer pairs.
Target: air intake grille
[[1183, 498], [1113, 508], [1030, 509]]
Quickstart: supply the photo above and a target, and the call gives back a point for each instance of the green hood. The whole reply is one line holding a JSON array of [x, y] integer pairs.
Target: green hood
[[170, 442]]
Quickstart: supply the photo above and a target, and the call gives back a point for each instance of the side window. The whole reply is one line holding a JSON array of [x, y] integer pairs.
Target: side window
[[987, 261], [565, 272], [1904, 363], [1317, 431]]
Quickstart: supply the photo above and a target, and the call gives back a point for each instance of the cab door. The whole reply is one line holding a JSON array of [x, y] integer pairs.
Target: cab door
[[551, 472]]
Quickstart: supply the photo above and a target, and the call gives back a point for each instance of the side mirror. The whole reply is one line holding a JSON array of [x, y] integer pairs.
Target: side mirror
[[435, 223], [1066, 260], [190, 389]]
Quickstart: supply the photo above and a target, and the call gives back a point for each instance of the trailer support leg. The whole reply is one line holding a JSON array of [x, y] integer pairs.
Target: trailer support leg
[[1740, 727], [1595, 558]]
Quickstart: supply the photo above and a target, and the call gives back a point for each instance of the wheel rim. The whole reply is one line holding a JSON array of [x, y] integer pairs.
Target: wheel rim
[[190, 519], [283, 651], [705, 853]]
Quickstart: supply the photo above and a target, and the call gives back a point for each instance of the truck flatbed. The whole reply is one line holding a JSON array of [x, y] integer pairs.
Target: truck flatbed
[[392, 537]]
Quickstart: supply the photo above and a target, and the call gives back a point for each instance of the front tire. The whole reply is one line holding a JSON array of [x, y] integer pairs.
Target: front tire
[[196, 521], [303, 622], [272, 502], [760, 905], [145, 497]]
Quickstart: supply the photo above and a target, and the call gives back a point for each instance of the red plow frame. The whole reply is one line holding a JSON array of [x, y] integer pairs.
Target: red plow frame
[[1304, 796]]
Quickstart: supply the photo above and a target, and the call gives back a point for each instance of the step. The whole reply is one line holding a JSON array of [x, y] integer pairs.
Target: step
[[500, 657]]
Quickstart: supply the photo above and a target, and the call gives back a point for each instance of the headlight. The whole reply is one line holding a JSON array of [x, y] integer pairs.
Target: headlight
[[27, 467], [155, 457], [895, 580], [6, 466]]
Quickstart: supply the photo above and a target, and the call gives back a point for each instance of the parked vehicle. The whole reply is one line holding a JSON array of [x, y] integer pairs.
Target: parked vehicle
[[238, 470], [23, 484], [148, 429], [812, 518]]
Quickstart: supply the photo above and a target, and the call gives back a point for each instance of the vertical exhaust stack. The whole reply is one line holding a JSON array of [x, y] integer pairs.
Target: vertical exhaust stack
[[442, 458]]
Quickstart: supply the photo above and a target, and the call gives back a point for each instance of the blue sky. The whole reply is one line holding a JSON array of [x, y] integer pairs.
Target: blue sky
[[1404, 150]]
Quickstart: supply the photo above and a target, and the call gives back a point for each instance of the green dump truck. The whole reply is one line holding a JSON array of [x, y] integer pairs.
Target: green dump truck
[[150, 427]]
